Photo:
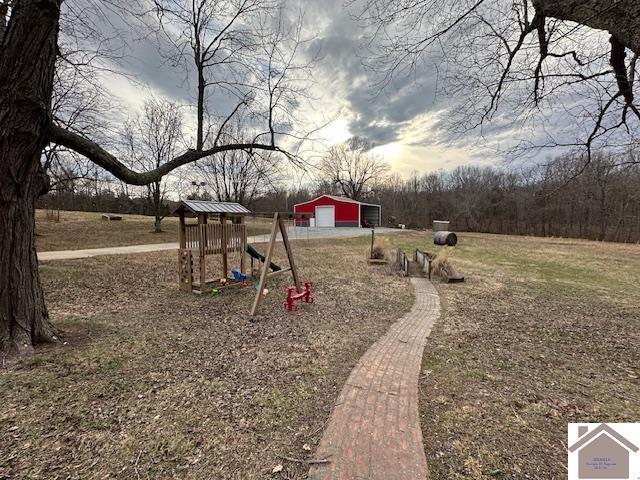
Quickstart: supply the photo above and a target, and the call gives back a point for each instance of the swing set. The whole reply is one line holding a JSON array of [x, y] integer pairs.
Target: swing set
[[221, 229]]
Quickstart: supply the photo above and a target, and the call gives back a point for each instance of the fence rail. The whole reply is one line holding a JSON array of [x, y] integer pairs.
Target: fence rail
[[423, 259], [211, 237]]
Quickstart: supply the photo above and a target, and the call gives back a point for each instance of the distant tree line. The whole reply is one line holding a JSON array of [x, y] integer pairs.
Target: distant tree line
[[104, 200], [566, 197]]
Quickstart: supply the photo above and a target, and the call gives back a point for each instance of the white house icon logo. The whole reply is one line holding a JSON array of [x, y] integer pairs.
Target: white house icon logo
[[601, 451]]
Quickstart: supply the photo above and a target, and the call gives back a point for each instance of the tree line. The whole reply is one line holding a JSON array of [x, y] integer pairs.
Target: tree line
[[566, 197]]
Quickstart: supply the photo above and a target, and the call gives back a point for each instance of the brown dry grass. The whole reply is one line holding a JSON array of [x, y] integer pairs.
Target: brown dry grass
[[80, 230], [158, 383], [543, 332], [442, 267], [378, 253]]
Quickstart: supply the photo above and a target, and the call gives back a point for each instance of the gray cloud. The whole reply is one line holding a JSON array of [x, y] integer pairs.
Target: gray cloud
[[378, 115], [409, 104]]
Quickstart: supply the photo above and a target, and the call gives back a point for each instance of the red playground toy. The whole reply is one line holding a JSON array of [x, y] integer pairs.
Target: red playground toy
[[293, 297]]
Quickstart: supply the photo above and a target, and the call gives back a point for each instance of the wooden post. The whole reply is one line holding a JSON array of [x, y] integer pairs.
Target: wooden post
[[287, 247], [202, 221], [223, 245], [185, 270], [243, 245], [265, 266], [181, 233], [373, 233]]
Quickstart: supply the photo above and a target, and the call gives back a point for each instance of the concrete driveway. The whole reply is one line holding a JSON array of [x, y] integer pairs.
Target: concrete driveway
[[295, 233]]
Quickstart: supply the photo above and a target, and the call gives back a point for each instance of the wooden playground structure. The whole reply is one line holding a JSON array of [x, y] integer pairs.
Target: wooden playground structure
[[226, 235], [220, 229]]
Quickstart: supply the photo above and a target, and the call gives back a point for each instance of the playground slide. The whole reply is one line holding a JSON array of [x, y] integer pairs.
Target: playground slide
[[257, 255]]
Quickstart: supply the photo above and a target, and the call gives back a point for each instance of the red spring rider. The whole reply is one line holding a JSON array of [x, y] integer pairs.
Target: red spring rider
[[293, 296]]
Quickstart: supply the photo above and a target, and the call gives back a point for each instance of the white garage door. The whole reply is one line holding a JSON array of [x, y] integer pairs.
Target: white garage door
[[325, 216]]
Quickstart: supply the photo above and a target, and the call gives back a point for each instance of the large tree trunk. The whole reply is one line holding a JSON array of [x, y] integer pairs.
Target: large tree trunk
[[621, 18], [27, 58]]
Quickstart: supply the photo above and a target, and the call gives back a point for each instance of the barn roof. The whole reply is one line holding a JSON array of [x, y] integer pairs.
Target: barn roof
[[339, 199], [201, 206]]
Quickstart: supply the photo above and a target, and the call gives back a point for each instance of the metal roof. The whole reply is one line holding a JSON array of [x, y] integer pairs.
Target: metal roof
[[201, 206], [339, 199]]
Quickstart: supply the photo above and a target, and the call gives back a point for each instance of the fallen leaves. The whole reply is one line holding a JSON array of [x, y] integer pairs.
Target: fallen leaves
[[188, 379]]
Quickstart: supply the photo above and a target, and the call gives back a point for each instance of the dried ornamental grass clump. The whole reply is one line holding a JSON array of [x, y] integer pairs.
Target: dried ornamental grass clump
[[443, 268], [377, 253]]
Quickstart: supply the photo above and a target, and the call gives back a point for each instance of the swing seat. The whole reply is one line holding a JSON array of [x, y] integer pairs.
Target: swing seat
[[238, 276]]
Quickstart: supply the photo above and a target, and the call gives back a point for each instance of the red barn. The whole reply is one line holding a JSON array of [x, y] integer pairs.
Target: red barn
[[332, 211]]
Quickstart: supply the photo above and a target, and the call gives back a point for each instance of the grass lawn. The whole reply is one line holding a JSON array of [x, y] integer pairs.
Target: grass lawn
[[80, 230], [157, 383], [543, 332]]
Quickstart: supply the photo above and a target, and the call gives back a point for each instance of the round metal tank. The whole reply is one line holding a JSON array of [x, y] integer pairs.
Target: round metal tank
[[445, 238]]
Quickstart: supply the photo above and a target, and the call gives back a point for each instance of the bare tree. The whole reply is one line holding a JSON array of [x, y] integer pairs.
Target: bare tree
[[218, 39], [531, 57], [239, 176], [29, 46], [5, 5], [352, 168], [153, 139], [602, 203], [78, 104]]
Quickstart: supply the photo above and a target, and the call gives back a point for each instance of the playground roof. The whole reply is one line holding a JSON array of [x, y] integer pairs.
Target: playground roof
[[201, 206]]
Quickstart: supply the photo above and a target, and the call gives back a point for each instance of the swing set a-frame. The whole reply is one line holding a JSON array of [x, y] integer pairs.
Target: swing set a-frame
[[224, 237], [277, 225]]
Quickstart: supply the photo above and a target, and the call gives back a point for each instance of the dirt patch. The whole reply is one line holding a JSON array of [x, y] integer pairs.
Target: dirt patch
[[158, 383]]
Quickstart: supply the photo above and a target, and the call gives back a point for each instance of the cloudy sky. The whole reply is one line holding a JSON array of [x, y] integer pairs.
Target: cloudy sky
[[407, 120]]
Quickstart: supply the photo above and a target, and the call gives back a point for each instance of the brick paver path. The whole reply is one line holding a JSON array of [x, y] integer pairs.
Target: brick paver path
[[374, 430]]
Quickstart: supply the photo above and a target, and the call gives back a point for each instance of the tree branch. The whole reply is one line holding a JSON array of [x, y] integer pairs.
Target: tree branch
[[4, 11], [618, 56], [104, 159]]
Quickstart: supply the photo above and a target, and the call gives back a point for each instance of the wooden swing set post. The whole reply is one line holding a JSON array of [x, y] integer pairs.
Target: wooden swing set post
[[265, 267], [202, 225], [278, 224], [287, 247], [223, 245], [243, 246]]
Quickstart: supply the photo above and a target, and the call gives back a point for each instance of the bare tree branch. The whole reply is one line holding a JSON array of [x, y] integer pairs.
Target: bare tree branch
[[104, 159]]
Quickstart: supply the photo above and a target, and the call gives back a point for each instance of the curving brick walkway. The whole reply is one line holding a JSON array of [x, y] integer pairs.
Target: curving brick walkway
[[374, 430]]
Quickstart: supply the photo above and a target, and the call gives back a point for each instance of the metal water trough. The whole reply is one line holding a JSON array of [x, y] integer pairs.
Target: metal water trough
[[445, 238]]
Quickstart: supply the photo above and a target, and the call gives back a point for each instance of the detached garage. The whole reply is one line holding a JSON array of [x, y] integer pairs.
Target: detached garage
[[331, 211]]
